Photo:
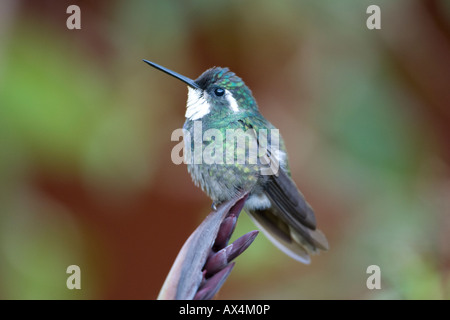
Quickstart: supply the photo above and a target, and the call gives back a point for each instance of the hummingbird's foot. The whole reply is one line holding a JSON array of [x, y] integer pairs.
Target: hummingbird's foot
[[214, 205]]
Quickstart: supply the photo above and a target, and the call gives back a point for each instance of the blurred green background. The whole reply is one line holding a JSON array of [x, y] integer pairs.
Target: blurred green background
[[86, 176]]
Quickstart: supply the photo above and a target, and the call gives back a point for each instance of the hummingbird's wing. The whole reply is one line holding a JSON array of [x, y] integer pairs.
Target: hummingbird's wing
[[293, 209], [290, 201], [289, 221]]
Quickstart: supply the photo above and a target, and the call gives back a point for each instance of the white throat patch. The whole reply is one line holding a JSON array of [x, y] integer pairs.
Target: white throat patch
[[197, 105]]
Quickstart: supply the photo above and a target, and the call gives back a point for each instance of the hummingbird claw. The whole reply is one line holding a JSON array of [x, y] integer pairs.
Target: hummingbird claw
[[214, 205]]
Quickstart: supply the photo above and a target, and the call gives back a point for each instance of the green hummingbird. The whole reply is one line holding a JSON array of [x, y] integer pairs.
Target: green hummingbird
[[219, 101]]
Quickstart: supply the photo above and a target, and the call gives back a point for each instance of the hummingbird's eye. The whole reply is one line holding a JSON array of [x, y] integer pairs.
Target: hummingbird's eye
[[219, 92]]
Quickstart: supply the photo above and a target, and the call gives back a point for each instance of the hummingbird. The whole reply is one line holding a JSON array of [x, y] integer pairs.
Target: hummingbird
[[220, 100]]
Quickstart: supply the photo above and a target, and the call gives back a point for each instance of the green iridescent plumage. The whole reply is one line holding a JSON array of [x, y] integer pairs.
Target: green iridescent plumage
[[224, 122], [228, 175]]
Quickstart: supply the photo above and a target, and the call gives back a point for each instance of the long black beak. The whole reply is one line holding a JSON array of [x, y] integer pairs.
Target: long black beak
[[191, 83]]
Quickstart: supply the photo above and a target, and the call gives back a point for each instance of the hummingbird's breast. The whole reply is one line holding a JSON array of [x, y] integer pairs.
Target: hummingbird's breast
[[222, 159]]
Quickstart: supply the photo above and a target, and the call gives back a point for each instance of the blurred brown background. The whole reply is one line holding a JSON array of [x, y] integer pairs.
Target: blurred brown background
[[86, 176]]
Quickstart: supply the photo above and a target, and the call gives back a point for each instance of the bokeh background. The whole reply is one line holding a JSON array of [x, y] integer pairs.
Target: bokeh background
[[86, 176]]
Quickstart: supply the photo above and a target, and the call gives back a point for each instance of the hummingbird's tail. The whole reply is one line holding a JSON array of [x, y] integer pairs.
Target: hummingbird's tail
[[283, 214], [298, 244]]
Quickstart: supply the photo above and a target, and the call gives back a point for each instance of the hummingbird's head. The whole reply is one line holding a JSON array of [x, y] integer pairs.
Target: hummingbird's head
[[217, 91]]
